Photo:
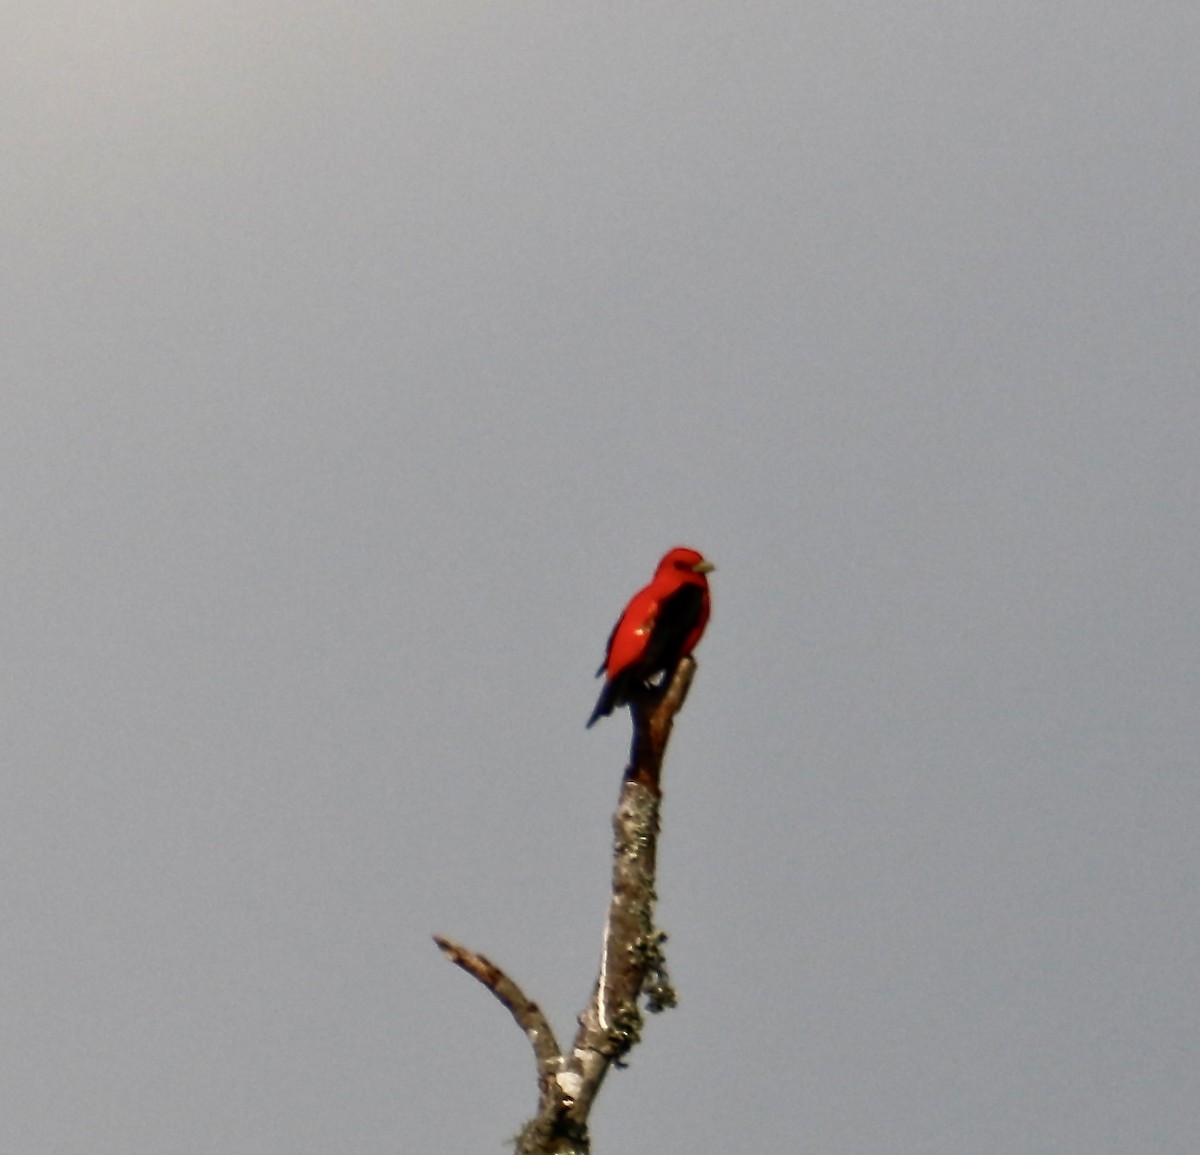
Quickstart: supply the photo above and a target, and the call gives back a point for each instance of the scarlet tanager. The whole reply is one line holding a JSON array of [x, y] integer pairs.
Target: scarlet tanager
[[661, 624]]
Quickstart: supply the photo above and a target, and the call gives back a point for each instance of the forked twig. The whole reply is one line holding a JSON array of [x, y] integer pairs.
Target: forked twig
[[632, 967]]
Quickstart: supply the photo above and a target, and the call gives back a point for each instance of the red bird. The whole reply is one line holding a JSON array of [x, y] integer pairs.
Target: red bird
[[661, 624]]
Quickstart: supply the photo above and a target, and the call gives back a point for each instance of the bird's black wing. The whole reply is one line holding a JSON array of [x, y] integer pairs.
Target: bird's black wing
[[677, 616], [608, 650]]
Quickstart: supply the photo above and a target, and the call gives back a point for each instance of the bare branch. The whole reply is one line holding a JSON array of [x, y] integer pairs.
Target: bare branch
[[632, 967], [527, 1013], [631, 963]]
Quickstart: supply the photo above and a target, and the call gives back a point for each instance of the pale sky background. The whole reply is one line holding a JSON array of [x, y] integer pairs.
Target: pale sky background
[[360, 360]]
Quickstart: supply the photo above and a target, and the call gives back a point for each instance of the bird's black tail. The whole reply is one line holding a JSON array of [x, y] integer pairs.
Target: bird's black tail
[[604, 704]]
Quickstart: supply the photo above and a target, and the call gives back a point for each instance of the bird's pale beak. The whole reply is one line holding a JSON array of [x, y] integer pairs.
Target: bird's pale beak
[[703, 567]]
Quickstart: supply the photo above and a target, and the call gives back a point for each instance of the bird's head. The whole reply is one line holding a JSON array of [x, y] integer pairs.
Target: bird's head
[[684, 561]]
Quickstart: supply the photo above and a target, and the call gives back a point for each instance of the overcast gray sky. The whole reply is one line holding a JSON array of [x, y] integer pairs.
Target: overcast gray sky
[[359, 361]]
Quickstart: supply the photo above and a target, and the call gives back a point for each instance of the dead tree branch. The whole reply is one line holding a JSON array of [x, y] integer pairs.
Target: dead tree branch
[[527, 1013], [632, 967]]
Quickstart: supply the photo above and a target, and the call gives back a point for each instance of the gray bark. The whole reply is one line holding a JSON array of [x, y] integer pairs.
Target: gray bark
[[632, 971]]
